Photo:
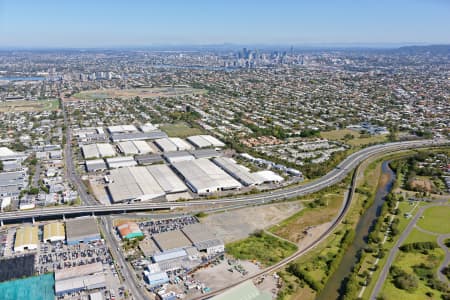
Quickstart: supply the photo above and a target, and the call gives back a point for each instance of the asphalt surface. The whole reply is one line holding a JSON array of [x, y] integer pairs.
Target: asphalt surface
[[393, 253], [334, 176], [125, 269], [441, 242], [105, 222], [70, 171]]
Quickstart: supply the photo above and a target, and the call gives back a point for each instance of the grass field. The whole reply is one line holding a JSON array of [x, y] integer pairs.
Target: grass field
[[293, 227], [436, 219], [29, 106], [138, 92], [338, 135], [180, 129], [406, 261], [262, 247], [419, 236]]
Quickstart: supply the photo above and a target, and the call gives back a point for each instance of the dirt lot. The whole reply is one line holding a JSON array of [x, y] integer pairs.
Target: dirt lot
[[217, 277], [238, 224], [423, 184]]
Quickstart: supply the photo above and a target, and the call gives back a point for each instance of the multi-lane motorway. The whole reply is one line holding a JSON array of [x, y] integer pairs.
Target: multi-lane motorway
[[334, 176]]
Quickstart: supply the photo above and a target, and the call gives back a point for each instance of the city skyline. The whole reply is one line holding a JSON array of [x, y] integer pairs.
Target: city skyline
[[105, 24]]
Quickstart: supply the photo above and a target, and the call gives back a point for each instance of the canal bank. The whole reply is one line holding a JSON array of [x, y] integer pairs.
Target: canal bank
[[366, 223]]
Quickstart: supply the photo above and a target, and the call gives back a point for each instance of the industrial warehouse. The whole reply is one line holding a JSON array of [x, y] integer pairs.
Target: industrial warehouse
[[75, 279], [174, 245], [82, 230], [26, 238], [98, 150], [204, 177]]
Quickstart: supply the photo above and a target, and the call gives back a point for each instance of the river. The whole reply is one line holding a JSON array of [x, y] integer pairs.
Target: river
[[364, 226]]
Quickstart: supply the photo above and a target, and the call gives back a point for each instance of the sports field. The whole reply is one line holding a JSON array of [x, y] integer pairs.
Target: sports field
[[29, 106], [139, 92]]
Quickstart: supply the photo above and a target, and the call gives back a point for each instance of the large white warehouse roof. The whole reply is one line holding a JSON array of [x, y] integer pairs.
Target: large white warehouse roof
[[204, 177]]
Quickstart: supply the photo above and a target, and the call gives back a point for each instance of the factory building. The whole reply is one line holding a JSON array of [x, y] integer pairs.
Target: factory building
[[203, 239], [206, 153], [82, 230], [98, 150], [204, 177], [120, 162], [171, 240], [79, 278], [95, 165], [26, 238], [11, 183], [155, 279], [129, 230], [134, 147], [205, 141], [7, 154], [237, 171], [135, 183], [122, 128], [173, 157], [54, 232], [173, 144], [137, 136], [269, 177], [167, 179], [148, 159]]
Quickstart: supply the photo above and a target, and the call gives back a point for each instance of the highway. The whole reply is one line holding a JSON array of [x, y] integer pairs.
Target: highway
[[331, 178], [333, 224]]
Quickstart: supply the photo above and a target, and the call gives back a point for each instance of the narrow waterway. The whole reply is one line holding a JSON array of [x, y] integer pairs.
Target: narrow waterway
[[365, 225]]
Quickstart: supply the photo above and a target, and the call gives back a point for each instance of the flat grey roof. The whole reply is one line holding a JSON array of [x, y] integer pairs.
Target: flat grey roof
[[167, 179], [206, 153], [171, 240], [79, 228], [153, 135], [237, 171], [148, 159], [198, 233], [203, 176], [133, 183]]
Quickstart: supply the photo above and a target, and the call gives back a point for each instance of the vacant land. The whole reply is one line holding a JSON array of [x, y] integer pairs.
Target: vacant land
[[436, 219], [262, 247], [235, 225], [180, 129], [357, 140], [321, 209], [29, 106], [138, 92]]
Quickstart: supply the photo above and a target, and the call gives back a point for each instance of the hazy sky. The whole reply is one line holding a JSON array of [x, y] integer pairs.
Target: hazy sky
[[103, 23]]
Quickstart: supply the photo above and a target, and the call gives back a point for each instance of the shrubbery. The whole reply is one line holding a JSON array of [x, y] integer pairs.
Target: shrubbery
[[419, 246]]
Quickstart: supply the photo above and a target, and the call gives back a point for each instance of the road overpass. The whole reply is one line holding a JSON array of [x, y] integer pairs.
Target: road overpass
[[331, 178]]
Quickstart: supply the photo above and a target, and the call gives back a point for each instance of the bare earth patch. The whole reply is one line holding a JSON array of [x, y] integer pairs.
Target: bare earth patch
[[238, 224]]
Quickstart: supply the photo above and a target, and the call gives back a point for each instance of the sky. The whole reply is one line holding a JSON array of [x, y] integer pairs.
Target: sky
[[122, 23]]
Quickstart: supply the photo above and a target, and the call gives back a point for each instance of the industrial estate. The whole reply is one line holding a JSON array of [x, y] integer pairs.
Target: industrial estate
[[225, 172]]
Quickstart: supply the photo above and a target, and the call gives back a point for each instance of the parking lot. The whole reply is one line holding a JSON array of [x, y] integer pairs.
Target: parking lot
[[59, 256], [158, 226]]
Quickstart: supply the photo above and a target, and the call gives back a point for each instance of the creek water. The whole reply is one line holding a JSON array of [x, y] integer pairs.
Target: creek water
[[366, 223]]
